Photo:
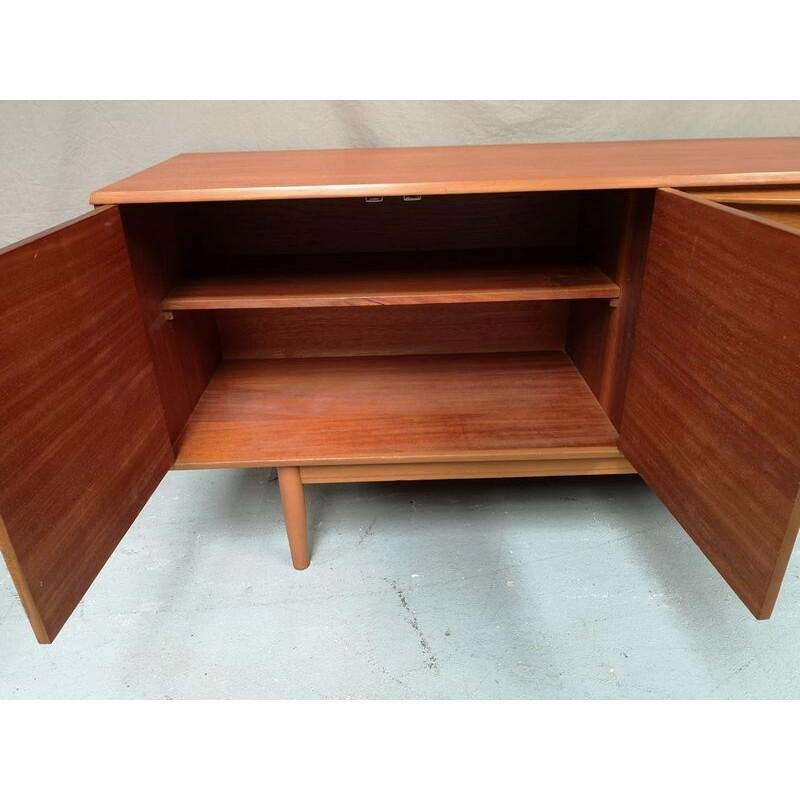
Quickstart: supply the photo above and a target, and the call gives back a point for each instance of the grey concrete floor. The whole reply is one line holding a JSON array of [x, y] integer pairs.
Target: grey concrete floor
[[545, 588]]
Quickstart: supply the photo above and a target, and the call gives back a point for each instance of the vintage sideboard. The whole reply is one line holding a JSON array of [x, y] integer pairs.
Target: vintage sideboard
[[410, 314]]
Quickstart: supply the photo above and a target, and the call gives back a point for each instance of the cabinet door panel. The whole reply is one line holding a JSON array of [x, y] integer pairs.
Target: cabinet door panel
[[84, 441], [712, 408]]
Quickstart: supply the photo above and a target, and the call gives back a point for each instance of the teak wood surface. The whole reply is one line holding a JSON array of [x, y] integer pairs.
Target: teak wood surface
[[85, 442], [185, 349], [392, 330], [712, 410], [345, 225], [427, 281], [786, 215], [194, 177], [570, 461], [295, 412], [420, 363], [761, 195], [294, 515], [600, 335]]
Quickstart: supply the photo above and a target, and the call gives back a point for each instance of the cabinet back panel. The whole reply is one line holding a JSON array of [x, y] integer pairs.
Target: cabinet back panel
[[393, 330], [543, 219]]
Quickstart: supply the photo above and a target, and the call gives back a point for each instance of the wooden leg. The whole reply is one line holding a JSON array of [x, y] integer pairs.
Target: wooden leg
[[294, 515]]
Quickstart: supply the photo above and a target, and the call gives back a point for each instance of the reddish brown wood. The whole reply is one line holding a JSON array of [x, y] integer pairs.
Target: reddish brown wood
[[220, 231], [475, 277], [196, 177], [785, 214], [185, 348], [712, 418], [393, 330], [600, 336], [712, 414], [400, 408], [85, 442], [765, 195], [589, 338], [294, 515], [607, 461]]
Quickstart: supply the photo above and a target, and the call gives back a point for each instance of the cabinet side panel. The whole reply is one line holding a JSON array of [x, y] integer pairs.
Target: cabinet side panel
[[84, 438], [615, 229], [185, 348]]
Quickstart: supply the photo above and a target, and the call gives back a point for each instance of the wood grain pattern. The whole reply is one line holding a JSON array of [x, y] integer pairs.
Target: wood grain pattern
[[388, 280], [786, 215], [712, 414], [447, 470], [392, 330], [85, 442], [402, 408], [349, 225], [294, 515], [185, 349], [600, 335], [194, 177], [762, 195]]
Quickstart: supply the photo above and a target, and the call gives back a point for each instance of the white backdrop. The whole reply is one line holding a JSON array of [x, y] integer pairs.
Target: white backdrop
[[53, 154]]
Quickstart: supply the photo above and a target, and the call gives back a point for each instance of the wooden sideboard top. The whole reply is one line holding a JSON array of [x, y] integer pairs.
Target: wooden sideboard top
[[197, 177]]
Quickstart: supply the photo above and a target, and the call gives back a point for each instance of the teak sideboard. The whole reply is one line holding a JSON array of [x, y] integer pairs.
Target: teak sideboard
[[410, 314]]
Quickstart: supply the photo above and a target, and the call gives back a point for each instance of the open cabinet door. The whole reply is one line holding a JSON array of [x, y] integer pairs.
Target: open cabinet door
[[712, 408], [84, 442]]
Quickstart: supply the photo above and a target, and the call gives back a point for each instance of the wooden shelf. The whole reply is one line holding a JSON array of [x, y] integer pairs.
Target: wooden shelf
[[395, 279], [393, 409]]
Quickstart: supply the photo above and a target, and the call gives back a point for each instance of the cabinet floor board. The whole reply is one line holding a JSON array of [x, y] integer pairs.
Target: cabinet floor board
[[398, 408]]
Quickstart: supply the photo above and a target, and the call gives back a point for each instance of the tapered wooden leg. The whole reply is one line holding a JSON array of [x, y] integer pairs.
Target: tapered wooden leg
[[294, 515]]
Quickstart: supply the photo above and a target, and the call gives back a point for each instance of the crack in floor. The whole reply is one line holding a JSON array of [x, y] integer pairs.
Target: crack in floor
[[431, 662], [368, 531]]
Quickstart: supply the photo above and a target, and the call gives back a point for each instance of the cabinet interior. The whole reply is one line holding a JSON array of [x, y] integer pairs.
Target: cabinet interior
[[334, 330]]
